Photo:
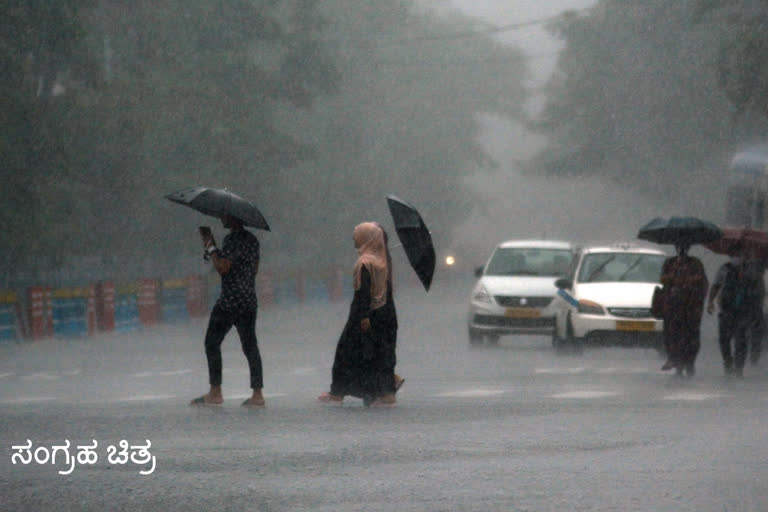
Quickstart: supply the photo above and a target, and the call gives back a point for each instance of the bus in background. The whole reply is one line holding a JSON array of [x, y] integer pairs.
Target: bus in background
[[748, 188]]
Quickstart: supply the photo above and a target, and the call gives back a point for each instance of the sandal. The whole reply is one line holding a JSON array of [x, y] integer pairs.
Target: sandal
[[250, 403], [201, 401]]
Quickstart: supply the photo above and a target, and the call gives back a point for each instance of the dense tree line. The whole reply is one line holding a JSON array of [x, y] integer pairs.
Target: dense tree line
[[656, 94], [314, 110]]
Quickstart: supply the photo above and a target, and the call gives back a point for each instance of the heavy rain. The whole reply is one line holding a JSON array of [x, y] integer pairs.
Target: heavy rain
[[571, 284]]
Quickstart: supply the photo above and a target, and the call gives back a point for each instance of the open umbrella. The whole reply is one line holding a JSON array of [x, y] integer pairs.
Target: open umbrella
[[685, 230], [749, 241], [415, 237], [218, 203]]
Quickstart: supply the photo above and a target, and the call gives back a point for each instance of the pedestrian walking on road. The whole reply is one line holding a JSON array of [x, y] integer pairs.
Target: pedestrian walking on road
[[364, 362], [739, 290], [685, 287], [238, 263]]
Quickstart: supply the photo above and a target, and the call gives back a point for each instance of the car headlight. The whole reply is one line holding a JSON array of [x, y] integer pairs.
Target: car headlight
[[588, 307], [481, 295]]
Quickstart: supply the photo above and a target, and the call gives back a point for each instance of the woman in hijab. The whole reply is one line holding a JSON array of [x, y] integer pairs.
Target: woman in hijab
[[685, 288], [363, 366]]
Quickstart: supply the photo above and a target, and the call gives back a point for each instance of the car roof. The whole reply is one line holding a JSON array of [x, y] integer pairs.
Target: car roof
[[536, 244], [622, 247]]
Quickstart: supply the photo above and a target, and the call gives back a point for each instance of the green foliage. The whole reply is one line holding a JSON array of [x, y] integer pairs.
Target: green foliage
[[313, 110], [648, 94]]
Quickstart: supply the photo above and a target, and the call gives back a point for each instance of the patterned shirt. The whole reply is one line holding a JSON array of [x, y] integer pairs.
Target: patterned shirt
[[238, 286]]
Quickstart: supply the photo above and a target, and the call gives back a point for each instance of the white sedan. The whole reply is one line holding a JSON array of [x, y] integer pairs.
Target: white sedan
[[515, 289], [606, 299]]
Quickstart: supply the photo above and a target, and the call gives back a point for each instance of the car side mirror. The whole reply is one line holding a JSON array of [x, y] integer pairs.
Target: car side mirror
[[479, 272], [564, 283]]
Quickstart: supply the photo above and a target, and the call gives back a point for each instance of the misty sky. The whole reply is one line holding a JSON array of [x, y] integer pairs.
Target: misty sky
[[581, 210]]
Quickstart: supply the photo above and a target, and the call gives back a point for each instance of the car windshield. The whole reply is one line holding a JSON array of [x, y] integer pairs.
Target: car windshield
[[519, 261], [607, 267]]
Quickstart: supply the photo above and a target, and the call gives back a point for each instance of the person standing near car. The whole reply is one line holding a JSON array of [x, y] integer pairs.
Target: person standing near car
[[685, 288], [238, 263]]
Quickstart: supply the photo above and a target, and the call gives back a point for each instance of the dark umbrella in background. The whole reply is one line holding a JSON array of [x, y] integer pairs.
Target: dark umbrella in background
[[680, 230], [749, 241], [415, 237], [218, 203]]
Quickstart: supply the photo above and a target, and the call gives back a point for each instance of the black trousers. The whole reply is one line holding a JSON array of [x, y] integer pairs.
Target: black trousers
[[220, 323], [731, 327]]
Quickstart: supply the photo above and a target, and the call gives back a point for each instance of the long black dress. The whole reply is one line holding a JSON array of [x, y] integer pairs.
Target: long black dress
[[364, 365]]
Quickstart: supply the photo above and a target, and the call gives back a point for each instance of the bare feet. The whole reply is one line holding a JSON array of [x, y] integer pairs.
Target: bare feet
[[387, 400], [256, 400], [329, 398], [398, 382], [208, 399]]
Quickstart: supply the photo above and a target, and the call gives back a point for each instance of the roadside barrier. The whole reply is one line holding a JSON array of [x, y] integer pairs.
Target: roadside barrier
[[316, 290], [73, 311], [105, 306], [174, 300], [126, 309], [197, 299], [40, 312], [10, 318], [336, 285], [288, 292], [148, 300], [265, 290]]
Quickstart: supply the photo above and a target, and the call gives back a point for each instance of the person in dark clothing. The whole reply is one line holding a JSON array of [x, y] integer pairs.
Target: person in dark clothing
[[739, 287], [685, 287], [364, 362], [238, 263], [389, 356]]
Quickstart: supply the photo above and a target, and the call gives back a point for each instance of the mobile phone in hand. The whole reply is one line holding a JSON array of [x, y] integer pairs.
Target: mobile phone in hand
[[205, 233]]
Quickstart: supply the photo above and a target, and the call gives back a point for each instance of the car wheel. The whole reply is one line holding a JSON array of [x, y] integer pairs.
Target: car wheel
[[492, 339], [475, 338]]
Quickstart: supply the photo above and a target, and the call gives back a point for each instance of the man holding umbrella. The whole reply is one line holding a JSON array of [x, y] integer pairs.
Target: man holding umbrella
[[684, 287], [237, 262]]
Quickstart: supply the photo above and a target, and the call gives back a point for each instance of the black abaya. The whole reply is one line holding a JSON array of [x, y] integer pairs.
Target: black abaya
[[364, 363]]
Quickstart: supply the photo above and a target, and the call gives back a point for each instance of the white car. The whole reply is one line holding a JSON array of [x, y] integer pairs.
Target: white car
[[515, 289], [606, 298]]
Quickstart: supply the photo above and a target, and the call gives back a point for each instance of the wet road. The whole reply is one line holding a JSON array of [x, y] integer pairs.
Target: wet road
[[508, 428]]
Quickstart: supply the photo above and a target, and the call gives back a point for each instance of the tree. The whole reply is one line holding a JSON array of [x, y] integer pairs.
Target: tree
[[638, 97], [314, 110]]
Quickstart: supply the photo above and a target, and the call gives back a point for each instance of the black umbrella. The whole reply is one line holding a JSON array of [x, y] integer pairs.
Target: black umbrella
[[218, 203], [685, 230], [415, 237]]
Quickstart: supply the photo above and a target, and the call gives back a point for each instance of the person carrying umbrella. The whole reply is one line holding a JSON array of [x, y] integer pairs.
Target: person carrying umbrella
[[740, 289], [685, 287], [364, 361], [238, 263]]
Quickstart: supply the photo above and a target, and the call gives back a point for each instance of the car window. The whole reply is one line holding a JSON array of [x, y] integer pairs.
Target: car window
[[518, 261], [621, 267]]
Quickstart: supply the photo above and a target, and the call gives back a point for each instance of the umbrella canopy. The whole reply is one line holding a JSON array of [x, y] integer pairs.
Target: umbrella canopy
[[749, 241], [685, 230], [415, 237], [218, 203]]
